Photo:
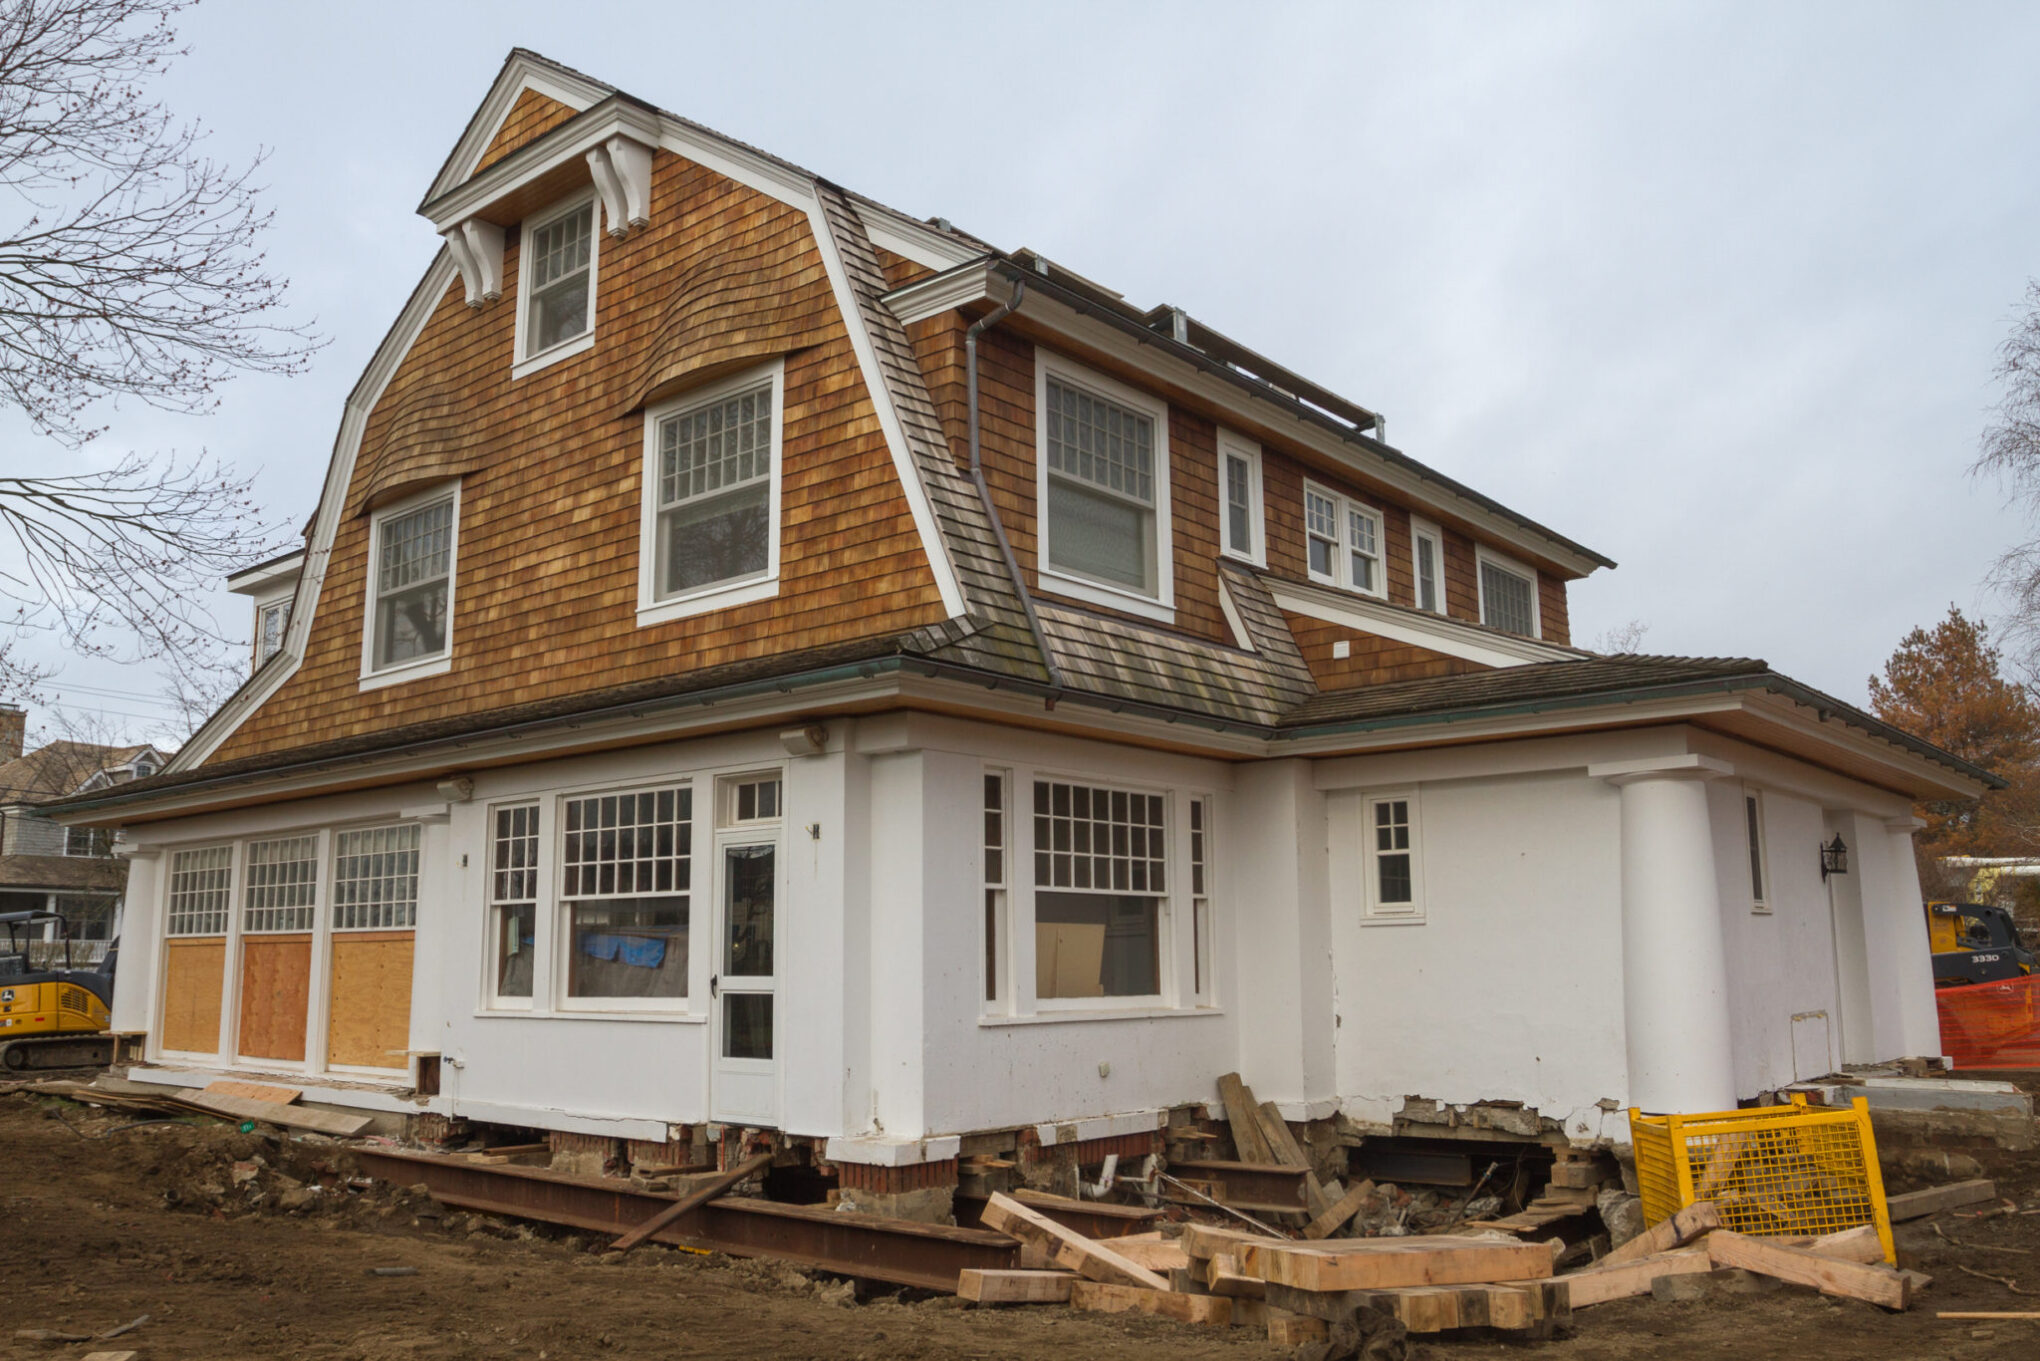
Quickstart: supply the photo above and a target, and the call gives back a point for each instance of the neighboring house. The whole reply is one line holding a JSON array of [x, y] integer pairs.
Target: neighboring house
[[45, 866], [671, 731]]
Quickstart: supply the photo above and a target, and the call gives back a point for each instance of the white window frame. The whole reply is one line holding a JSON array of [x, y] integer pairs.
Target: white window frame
[[281, 608], [1378, 912], [1171, 903], [495, 909], [651, 608], [527, 362], [439, 663], [699, 894], [1344, 508], [1485, 557], [1233, 446], [1756, 847], [1423, 531], [1162, 605], [996, 949]]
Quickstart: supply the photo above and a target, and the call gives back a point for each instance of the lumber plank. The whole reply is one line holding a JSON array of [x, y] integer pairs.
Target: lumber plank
[[1878, 1285], [1391, 1263], [1205, 1241], [255, 1091], [989, 1286], [1860, 1244], [1156, 1254], [1599, 1283], [1933, 1200], [1938, 1313], [699, 1196], [1104, 1297], [1223, 1275], [1698, 1218], [270, 1112], [1087, 1257], [1334, 1219], [1244, 1117]]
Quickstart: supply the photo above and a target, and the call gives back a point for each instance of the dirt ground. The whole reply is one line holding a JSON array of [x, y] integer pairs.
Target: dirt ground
[[101, 1224]]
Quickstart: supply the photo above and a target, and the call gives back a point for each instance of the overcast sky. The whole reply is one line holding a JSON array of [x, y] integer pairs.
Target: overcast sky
[[1713, 289]]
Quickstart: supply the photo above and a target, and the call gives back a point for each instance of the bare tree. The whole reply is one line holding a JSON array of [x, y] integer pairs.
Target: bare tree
[[1622, 640], [2011, 452], [130, 271]]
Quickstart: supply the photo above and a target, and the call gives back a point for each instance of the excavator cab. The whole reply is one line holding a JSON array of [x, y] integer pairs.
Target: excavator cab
[[51, 1015], [1975, 943]]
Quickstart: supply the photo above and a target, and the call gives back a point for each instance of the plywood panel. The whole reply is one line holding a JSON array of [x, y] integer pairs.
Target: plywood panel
[[370, 1018], [276, 980], [194, 975]]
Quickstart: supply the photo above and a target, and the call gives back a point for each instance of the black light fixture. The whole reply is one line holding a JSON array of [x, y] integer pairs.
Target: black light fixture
[[1834, 857]]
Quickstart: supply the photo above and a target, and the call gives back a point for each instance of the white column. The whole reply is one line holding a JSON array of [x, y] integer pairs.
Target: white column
[[1901, 967], [1849, 895], [1675, 968], [1281, 929]]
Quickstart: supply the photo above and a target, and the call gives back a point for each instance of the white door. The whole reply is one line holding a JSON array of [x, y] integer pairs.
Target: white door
[[745, 1087]]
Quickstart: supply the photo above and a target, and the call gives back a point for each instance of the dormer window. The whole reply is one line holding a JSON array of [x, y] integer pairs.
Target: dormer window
[[1239, 485], [1103, 491], [410, 605], [1508, 595], [556, 316], [271, 621], [1343, 542]]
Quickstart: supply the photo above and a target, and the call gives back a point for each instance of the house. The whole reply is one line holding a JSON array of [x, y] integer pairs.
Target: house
[[761, 661], [45, 866]]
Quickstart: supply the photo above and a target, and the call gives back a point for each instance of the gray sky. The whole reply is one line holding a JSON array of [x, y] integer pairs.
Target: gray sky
[[1713, 289]]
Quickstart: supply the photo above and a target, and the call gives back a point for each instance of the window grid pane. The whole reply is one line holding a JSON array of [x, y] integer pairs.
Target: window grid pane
[[1505, 600], [1100, 442], [283, 883], [1427, 573], [513, 861], [1097, 838], [1392, 853], [629, 845], [560, 247], [416, 547], [375, 879], [201, 892], [719, 447], [1239, 505]]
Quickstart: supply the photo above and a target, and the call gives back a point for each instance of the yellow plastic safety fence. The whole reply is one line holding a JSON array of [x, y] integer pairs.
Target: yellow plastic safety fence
[[1773, 1171]]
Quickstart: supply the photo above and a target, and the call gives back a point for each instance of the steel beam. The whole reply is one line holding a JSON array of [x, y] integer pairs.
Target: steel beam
[[897, 1251]]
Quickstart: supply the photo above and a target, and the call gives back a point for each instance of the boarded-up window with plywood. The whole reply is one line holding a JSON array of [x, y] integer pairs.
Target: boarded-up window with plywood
[[375, 879], [626, 866], [201, 892], [1100, 873], [283, 879]]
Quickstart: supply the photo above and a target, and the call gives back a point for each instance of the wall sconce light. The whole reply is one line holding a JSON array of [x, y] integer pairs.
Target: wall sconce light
[[1834, 857]]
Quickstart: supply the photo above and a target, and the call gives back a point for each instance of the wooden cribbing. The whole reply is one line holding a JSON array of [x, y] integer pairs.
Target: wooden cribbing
[[1085, 1256], [699, 1196], [1435, 1308], [1104, 1298], [1392, 1263]]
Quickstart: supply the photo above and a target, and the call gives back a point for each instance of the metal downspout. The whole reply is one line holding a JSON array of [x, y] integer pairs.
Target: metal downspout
[[977, 475]]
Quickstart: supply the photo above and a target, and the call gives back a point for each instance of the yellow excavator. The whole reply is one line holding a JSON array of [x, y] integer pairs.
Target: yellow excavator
[[51, 1017]]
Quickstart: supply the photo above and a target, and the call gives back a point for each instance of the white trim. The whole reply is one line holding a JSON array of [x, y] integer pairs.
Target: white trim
[[1160, 606], [531, 363], [1370, 853], [927, 246], [653, 609], [1453, 637], [519, 74], [1232, 445], [1242, 639], [938, 293], [372, 677], [486, 190], [1483, 556], [1421, 531], [260, 580], [933, 543]]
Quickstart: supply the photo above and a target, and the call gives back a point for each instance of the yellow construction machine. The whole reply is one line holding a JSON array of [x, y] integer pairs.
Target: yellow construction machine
[[51, 1016]]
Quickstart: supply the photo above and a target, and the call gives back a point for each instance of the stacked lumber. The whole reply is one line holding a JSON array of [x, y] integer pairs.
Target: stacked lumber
[[1849, 1263]]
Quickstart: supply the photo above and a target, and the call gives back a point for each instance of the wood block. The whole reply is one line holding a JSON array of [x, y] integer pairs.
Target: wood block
[[1933, 1200], [1683, 1227], [1070, 1249], [1244, 1117], [1436, 1308], [1100, 1297], [1878, 1285], [1250, 1313], [1860, 1244], [1014, 1287], [110, 1356], [1293, 1330], [1334, 1219], [1156, 1254], [1205, 1241], [1391, 1263], [1600, 1283], [1223, 1275]]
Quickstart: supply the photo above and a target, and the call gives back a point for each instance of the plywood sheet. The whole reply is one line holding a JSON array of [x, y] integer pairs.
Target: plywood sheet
[[370, 1016], [194, 977], [276, 982]]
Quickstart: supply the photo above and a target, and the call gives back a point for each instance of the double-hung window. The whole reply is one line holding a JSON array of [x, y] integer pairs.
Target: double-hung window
[[1508, 595], [998, 842], [1342, 542], [1753, 824], [1427, 565], [710, 534], [410, 606], [1239, 491], [625, 896], [557, 287], [513, 901], [1394, 858], [1100, 888], [1103, 493]]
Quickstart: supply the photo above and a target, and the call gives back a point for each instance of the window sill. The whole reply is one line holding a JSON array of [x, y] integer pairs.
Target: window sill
[[1115, 1014], [1052, 582], [1412, 919], [1252, 559], [603, 1014], [566, 349], [707, 601], [397, 675]]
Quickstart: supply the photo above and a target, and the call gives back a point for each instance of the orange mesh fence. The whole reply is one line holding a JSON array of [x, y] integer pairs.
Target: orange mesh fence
[[1991, 1025]]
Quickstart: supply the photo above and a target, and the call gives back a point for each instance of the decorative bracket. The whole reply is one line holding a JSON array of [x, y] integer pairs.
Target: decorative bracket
[[477, 248], [622, 167]]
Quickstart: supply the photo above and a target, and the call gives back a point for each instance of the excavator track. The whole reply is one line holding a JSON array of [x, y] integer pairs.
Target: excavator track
[[39, 1053]]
